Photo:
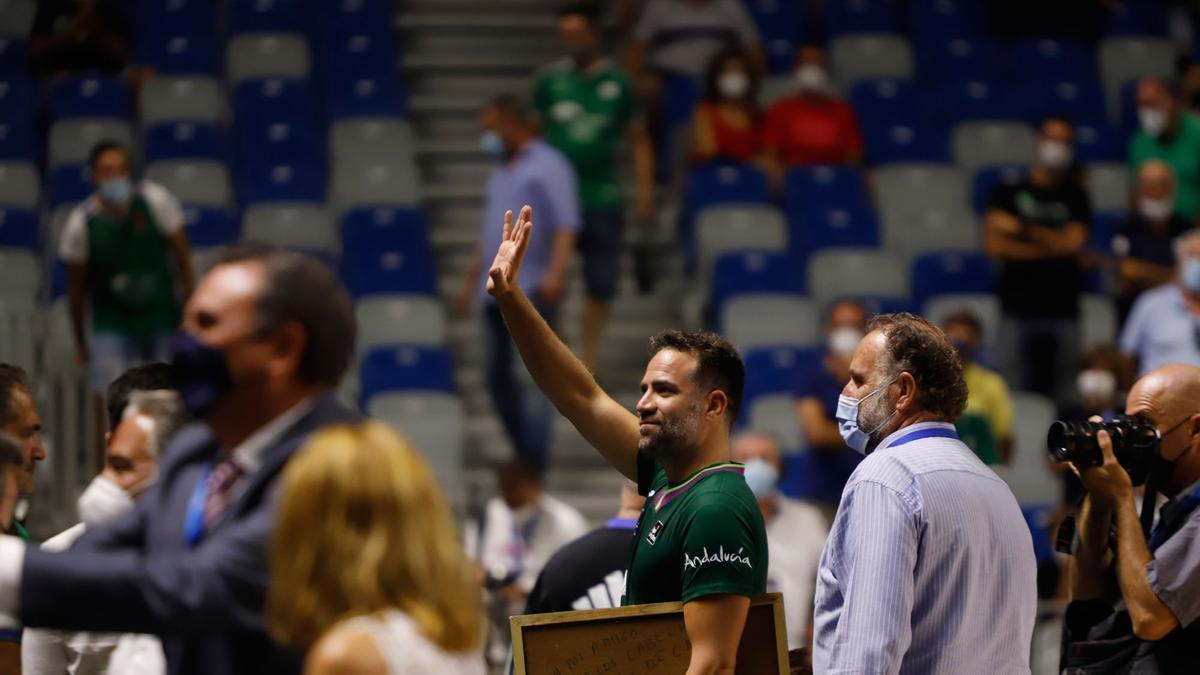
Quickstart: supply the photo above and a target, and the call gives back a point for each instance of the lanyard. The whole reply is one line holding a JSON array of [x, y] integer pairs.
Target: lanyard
[[523, 540], [1172, 514], [936, 432], [193, 524], [622, 524]]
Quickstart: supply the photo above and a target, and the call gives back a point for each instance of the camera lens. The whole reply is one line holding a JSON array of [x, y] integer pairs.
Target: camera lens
[[1061, 441]]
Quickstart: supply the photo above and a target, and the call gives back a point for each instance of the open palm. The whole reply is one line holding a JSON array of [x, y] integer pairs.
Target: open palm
[[502, 276]]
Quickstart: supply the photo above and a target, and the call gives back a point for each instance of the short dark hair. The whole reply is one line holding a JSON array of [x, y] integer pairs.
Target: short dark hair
[[148, 377], [966, 318], [718, 364], [302, 289], [712, 74], [10, 377], [513, 107], [104, 146], [588, 10], [921, 349]]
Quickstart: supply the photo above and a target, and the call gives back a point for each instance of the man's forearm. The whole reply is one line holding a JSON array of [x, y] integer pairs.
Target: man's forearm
[[1092, 558], [1151, 618], [643, 160]]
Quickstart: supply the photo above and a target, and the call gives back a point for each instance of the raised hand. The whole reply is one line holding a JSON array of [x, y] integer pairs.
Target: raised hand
[[502, 276]]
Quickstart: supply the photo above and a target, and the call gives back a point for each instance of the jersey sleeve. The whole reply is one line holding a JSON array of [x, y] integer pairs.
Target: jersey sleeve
[[719, 553], [168, 214], [1173, 571], [73, 241]]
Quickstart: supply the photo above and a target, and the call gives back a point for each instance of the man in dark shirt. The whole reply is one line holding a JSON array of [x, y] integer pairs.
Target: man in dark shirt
[[1035, 229], [589, 573], [74, 35], [1144, 242]]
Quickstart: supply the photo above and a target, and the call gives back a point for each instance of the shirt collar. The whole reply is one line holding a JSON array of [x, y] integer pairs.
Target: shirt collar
[[249, 453], [904, 431]]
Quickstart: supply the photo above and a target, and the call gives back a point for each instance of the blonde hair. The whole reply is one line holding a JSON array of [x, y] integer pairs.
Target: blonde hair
[[362, 527]]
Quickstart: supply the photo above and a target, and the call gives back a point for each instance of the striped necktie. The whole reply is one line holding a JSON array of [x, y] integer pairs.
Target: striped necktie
[[220, 488]]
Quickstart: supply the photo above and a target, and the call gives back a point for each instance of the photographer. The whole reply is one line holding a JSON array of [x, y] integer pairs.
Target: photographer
[[1145, 622]]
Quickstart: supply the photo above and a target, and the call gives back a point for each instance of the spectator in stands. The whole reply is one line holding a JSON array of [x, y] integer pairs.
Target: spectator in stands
[[680, 37], [1143, 241], [812, 126], [76, 35], [1098, 387], [19, 419], [10, 471], [1171, 133], [522, 527], [589, 573], [530, 172], [987, 394], [828, 463], [147, 377], [727, 124], [406, 603], [128, 260], [131, 466], [1035, 229], [587, 105], [795, 534], [1164, 325]]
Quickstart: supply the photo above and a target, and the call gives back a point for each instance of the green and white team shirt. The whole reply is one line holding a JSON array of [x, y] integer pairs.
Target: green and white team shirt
[[129, 277], [704, 536]]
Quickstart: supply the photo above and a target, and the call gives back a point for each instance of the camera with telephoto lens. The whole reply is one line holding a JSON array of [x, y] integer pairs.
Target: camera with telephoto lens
[[1134, 443]]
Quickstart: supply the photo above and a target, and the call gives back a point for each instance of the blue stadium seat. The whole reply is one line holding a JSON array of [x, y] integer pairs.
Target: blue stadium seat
[[352, 16], [783, 26], [360, 55], [953, 59], [181, 54], [719, 183], [404, 267], [1096, 141], [885, 100], [177, 17], [825, 187], [210, 226], [405, 368], [365, 230], [1128, 123], [14, 56], [1040, 520], [365, 97], [280, 140], [776, 370], [89, 95], [986, 179], [885, 304], [18, 140], [818, 228], [264, 16], [970, 100], [1136, 17], [18, 228], [274, 99], [680, 95], [950, 271], [280, 181], [862, 16], [1075, 100], [906, 142], [186, 140], [69, 184], [1049, 59], [17, 99], [946, 17], [741, 272], [1103, 227]]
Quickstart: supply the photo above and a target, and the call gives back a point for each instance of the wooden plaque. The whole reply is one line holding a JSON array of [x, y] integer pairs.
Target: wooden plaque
[[639, 639]]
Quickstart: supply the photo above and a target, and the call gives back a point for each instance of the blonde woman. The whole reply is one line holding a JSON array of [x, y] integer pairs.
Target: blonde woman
[[366, 570]]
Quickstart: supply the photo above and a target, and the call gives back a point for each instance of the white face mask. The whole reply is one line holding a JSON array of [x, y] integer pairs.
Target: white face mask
[[1054, 155], [843, 341], [103, 501], [847, 416], [1156, 210], [1153, 121], [761, 476], [812, 78], [733, 85], [1096, 384]]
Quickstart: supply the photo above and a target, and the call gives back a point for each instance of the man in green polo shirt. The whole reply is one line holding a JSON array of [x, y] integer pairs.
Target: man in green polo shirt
[[587, 106], [700, 538], [21, 450], [123, 248], [1172, 134]]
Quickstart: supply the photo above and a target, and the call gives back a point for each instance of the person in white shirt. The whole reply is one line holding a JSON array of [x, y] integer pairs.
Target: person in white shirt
[[131, 466], [796, 532]]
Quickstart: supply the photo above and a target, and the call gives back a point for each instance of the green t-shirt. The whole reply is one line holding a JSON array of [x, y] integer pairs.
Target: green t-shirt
[[704, 536], [1183, 154], [584, 115]]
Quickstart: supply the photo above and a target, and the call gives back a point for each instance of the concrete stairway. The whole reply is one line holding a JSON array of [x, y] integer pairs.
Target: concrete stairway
[[456, 54]]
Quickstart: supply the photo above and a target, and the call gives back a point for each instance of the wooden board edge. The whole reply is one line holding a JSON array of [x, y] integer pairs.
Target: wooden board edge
[[781, 641], [518, 647]]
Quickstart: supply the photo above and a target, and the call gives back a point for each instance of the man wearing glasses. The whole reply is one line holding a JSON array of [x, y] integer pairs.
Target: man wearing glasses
[[1147, 620], [1164, 325]]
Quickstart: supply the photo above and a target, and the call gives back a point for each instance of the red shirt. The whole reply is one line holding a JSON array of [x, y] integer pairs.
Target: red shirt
[[806, 132], [741, 144]]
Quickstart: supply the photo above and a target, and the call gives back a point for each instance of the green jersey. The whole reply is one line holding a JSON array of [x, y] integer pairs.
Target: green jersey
[[704, 536], [584, 115], [1182, 152]]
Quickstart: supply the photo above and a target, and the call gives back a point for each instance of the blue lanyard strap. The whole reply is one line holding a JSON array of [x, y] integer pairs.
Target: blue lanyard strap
[[193, 524], [622, 524], [936, 432]]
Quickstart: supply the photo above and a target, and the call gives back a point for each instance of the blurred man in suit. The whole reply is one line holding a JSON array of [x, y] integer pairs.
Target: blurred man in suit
[[266, 336]]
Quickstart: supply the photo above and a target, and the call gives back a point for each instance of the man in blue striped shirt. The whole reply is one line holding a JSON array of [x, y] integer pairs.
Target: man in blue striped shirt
[[929, 567]]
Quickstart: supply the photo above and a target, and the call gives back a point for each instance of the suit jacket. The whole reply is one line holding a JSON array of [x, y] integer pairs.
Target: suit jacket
[[140, 575]]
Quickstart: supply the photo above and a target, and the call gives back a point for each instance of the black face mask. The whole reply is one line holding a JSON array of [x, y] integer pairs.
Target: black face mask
[[201, 374]]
